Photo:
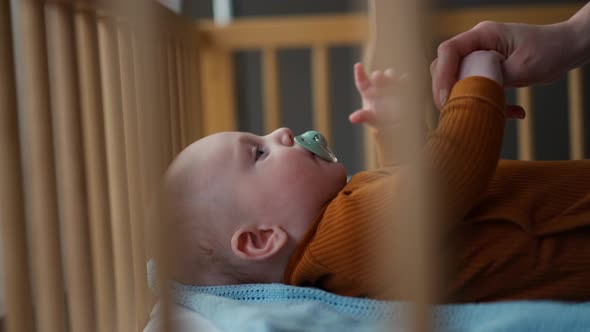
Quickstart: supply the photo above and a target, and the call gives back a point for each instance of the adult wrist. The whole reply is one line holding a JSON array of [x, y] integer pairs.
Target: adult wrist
[[578, 35]]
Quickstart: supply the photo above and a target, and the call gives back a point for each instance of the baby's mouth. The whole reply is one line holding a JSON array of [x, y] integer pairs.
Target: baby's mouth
[[315, 142]]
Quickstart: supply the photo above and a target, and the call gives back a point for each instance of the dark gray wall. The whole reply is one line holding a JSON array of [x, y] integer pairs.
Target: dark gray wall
[[550, 102]]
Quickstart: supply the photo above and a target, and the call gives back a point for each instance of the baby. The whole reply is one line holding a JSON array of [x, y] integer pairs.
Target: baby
[[266, 209]]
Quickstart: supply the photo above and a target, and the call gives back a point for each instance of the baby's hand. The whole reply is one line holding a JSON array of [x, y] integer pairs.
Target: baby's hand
[[380, 105], [482, 63], [488, 64]]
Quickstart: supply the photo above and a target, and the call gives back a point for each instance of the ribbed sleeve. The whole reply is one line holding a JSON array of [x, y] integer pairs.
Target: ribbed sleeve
[[465, 148]]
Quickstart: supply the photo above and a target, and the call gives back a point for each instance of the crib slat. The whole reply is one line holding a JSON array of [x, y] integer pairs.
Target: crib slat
[[39, 169], [321, 91], [189, 89], [70, 167], [174, 100], [182, 93], [370, 153], [270, 75], [96, 170], [117, 177], [165, 107], [576, 114], [148, 28], [526, 145], [216, 71], [195, 125], [134, 170], [147, 143], [400, 33], [18, 301]]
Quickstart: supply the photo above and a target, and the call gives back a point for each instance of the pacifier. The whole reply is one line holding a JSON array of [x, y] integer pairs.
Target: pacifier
[[316, 143]]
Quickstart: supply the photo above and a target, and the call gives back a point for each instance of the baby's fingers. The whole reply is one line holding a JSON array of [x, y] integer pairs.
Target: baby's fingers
[[360, 77], [389, 78], [378, 79], [363, 116]]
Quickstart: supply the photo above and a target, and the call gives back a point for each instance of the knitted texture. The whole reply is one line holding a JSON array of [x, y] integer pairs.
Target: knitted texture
[[278, 307], [356, 308]]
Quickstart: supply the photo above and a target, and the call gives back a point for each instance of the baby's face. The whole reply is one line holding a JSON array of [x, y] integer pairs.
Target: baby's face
[[273, 178]]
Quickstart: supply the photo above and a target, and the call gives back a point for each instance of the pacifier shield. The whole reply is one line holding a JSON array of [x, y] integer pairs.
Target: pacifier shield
[[315, 142]]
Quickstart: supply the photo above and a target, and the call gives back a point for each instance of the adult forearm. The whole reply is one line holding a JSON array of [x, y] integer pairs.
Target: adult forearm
[[579, 24]]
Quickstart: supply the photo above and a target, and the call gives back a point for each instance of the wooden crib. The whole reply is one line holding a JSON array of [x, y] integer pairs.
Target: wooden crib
[[97, 97]]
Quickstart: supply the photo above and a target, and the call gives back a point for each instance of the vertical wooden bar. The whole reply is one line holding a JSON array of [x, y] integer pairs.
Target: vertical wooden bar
[[189, 90], [117, 177], [142, 101], [197, 95], [165, 107], [576, 114], [70, 166], [18, 300], [182, 93], [145, 146], [95, 168], [321, 91], [174, 100], [370, 153], [39, 172], [400, 32], [270, 84], [216, 71], [526, 146], [149, 27], [195, 114], [134, 170]]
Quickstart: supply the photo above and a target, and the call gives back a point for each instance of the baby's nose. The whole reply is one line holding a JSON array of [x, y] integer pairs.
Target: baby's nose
[[285, 136]]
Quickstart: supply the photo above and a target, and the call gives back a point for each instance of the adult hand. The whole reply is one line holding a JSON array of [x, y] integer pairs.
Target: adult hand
[[533, 53]]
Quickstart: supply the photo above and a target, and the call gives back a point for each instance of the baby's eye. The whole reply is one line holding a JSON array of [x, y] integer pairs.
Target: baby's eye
[[259, 153]]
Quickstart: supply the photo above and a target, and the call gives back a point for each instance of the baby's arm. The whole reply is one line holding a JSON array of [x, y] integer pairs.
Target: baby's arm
[[465, 148]]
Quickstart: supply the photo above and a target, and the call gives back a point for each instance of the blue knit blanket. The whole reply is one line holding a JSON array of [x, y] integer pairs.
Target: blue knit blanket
[[278, 307]]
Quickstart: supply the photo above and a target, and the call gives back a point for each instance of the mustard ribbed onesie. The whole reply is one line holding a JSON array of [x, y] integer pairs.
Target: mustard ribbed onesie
[[515, 229]]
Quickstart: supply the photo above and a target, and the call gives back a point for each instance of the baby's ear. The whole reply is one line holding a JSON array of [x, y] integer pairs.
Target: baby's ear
[[254, 242]]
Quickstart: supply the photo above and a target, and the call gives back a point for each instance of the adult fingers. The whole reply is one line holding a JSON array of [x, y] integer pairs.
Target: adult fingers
[[515, 112], [435, 83], [484, 36], [445, 72]]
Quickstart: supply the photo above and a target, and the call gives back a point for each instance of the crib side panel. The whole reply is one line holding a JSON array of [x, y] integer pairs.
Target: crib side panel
[[19, 306], [99, 100]]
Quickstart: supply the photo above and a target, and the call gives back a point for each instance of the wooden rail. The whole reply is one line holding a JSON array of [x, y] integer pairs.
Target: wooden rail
[[353, 29]]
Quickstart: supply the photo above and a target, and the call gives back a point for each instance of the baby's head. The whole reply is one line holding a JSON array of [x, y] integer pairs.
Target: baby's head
[[240, 203]]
